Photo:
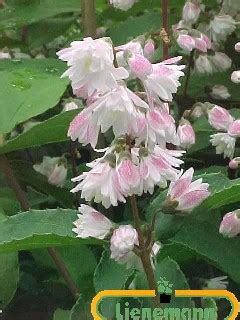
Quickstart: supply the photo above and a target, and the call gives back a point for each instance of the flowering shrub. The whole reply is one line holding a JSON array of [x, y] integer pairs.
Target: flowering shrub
[[119, 151]]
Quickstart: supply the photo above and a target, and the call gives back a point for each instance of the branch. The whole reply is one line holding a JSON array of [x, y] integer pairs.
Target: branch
[[22, 198], [89, 20]]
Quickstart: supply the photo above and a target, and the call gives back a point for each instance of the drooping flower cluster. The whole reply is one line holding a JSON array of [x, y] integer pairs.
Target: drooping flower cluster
[[236, 74], [139, 157], [205, 37]]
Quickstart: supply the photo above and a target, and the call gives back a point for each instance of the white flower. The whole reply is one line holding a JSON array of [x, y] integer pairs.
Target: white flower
[[187, 194], [220, 62], [55, 169], [186, 134], [219, 283], [70, 106], [122, 243], [224, 143], [101, 183], [122, 4], [92, 223], [203, 64], [163, 81], [222, 26], [4, 55], [235, 77], [191, 11], [119, 109], [220, 92], [91, 65]]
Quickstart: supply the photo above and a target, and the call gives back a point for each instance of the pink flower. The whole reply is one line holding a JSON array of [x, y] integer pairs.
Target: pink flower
[[234, 129], [92, 223], [191, 11], [219, 118], [122, 243], [187, 194], [101, 183], [230, 226], [149, 49], [128, 176], [140, 66], [186, 42], [186, 135], [158, 167], [234, 163], [84, 128]]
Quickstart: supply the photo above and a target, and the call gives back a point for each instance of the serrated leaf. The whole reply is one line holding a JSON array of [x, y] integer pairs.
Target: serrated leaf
[[39, 229], [110, 275], [28, 88], [49, 131]]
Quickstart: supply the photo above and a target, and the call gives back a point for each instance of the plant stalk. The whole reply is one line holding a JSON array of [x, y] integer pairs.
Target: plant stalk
[[89, 20], [165, 28], [144, 251], [22, 198]]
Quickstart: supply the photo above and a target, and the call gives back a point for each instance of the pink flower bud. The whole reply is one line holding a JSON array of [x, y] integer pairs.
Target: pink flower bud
[[149, 49], [140, 66], [234, 163], [235, 77], [186, 135], [191, 12], [186, 42], [128, 176], [92, 223], [234, 129], [122, 243], [187, 194], [230, 226], [219, 118], [237, 47]]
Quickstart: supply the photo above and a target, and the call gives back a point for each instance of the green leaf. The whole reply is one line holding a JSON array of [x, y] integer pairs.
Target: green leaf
[[134, 26], [23, 13], [81, 310], [40, 229], [203, 238], [49, 131], [28, 176], [110, 275], [9, 277], [169, 270], [60, 314], [28, 88]]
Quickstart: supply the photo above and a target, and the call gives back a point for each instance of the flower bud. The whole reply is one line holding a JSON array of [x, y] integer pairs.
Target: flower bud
[[219, 118], [220, 92], [70, 106], [92, 223], [234, 129], [186, 134], [122, 242], [122, 4], [191, 11], [230, 226], [140, 66], [186, 42], [237, 47], [234, 163], [235, 77], [149, 48]]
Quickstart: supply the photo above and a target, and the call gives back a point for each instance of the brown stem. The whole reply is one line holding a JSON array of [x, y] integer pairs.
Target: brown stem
[[144, 251], [188, 74], [22, 198], [89, 20], [75, 172], [165, 28]]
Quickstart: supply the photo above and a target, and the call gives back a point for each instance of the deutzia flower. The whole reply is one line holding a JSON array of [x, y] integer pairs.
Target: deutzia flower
[[55, 169], [230, 225], [123, 4], [219, 283], [91, 65], [224, 143], [186, 134], [219, 118], [235, 77], [220, 92], [191, 11], [203, 64], [221, 26], [184, 194], [92, 223]]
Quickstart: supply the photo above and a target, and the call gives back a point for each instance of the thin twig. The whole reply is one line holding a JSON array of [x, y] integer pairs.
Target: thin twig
[[75, 171], [89, 20], [22, 198]]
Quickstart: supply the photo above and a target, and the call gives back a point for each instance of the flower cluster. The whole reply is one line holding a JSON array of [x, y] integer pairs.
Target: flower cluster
[[205, 37], [146, 147]]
